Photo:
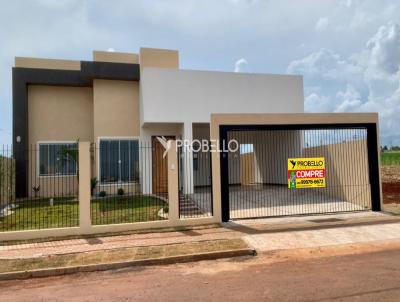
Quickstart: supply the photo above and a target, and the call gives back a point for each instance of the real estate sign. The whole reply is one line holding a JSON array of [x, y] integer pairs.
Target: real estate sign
[[306, 172]]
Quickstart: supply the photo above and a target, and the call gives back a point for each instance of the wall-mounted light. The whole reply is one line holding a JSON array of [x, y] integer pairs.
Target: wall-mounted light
[[18, 139]]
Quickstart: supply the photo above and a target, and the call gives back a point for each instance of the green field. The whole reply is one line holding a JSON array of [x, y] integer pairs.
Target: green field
[[39, 214], [390, 158]]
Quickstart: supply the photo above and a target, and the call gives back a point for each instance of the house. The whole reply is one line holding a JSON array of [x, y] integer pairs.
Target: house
[[122, 102], [253, 152]]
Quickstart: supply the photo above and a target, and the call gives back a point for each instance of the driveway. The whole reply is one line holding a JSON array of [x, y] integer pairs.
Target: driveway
[[277, 200]]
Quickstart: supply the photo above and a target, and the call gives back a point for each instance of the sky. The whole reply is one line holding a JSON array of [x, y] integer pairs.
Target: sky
[[348, 51]]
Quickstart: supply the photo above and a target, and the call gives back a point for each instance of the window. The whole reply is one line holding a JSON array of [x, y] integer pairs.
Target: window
[[58, 159], [119, 160]]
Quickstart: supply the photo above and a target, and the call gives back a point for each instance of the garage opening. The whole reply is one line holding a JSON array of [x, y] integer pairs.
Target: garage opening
[[260, 178]]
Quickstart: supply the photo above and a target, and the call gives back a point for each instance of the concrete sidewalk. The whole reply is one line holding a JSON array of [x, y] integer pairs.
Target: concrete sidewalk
[[68, 246], [261, 234]]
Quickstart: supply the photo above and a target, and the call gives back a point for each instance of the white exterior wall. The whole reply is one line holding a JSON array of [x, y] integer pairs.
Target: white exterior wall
[[187, 96], [202, 176]]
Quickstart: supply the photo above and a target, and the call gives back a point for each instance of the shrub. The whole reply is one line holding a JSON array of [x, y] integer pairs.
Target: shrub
[[93, 184], [120, 191], [102, 193], [166, 209]]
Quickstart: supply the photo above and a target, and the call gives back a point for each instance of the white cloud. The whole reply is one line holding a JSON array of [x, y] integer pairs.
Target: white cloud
[[241, 65], [349, 100], [322, 24], [366, 81], [384, 49], [212, 34], [317, 103]]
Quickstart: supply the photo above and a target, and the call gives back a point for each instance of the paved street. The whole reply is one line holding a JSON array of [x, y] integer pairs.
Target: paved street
[[341, 257], [301, 276]]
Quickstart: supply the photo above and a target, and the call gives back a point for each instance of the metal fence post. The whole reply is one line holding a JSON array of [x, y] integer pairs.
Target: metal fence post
[[173, 190], [84, 186]]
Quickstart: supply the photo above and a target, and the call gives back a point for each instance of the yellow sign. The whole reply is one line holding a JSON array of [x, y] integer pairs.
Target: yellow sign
[[306, 172]]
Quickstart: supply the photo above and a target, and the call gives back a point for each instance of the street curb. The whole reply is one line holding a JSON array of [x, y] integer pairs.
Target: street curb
[[49, 272]]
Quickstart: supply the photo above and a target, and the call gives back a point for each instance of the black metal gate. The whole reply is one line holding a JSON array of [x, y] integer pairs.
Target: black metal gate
[[255, 178]]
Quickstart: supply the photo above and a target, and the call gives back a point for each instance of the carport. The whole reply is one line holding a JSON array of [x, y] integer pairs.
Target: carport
[[252, 181]]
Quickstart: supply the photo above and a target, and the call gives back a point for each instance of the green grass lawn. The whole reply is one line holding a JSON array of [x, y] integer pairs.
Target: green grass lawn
[[390, 158], [38, 214], [122, 209]]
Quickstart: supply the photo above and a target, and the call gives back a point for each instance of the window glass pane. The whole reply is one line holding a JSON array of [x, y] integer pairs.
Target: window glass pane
[[58, 159], [109, 157], [124, 160], [52, 160], [59, 164], [134, 163], [72, 159], [119, 160], [104, 165], [43, 159]]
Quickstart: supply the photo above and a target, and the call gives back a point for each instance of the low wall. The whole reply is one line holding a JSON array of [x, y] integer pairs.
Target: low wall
[[85, 223]]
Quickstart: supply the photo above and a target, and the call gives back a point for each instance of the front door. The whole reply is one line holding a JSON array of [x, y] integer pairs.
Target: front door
[[160, 166]]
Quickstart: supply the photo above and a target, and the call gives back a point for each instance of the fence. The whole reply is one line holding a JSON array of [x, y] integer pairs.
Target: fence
[[195, 183], [48, 198], [128, 182], [258, 172], [74, 188]]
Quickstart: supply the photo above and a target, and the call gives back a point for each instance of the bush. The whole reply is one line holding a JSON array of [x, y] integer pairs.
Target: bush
[[166, 209], [120, 191], [93, 184], [102, 193]]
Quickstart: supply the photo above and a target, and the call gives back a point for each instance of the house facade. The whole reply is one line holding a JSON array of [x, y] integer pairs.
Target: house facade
[[121, 102], [91, 148]]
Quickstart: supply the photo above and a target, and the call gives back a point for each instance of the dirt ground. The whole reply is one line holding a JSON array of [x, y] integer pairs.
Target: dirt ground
[[352, 274], [391, 184]]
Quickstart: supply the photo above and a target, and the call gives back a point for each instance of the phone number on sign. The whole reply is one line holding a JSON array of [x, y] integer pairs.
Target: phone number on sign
[[311, 181]]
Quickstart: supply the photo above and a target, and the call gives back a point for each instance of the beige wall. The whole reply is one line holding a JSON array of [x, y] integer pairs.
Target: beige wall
[[163, 58], [57, 113], [116, 114], [112, 189], [47, 63], [247, 169], [60, 113], [116, 108], [115, 57], [347, 175]]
